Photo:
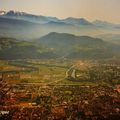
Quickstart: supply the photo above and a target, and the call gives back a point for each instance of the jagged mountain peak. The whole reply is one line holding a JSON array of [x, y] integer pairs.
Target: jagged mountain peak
[[77, 21], [14, 13], [2, 12]]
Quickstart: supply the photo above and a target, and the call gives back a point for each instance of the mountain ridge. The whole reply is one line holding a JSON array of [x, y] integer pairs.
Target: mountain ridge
[[56, 45], [70, 45], [12, 13]]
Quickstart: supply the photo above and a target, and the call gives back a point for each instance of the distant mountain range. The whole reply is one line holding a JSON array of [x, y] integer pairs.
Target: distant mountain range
[[21, 25], [46, 19], [28, 17]]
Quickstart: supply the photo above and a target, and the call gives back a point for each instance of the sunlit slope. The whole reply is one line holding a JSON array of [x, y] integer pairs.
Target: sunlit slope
[[12, 49]]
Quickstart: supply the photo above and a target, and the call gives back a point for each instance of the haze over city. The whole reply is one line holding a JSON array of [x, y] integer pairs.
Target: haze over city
[[106, 10]]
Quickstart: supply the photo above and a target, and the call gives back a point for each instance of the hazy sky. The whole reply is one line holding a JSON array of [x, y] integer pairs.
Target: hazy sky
[[108, 10]]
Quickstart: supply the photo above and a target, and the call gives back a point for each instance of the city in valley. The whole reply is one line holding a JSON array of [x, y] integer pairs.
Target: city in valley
[[59, 89]]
